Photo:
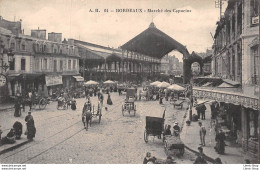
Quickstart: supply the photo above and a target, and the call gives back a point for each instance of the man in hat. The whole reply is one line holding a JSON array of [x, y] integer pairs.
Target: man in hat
[[149, 159], [176, 129], [200, 157], [202, 134], [202, 111]]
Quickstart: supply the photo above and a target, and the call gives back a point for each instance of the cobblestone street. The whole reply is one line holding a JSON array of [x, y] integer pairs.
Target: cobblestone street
[[60, 136]]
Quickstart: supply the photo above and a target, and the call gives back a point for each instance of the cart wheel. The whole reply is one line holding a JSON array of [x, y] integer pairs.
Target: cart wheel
[[129, 110], [99, 120], [122, 110], [145, 137], [42, 103], [166, 147], [134, 110]]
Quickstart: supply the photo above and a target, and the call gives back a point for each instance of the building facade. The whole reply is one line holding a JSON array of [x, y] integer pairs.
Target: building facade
[[38, 64], [235, 63]]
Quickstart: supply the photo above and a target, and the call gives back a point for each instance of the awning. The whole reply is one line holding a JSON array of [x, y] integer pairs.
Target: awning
[[226, 85], [11, 77], [207, 84], [52, 80], [234, 83], [78, 78]]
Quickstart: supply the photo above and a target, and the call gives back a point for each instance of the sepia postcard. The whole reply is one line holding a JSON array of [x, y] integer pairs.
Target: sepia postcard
[[129, 82]]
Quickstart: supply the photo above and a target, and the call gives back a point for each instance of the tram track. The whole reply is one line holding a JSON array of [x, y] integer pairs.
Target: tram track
[[44, 151]]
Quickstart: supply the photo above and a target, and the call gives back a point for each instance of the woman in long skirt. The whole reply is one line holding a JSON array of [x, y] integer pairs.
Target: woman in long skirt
[[109, 101], [17, 108]]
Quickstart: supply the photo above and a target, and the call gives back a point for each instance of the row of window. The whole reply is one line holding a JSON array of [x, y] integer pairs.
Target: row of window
[[43, 64], [43, 48], [55, 49]]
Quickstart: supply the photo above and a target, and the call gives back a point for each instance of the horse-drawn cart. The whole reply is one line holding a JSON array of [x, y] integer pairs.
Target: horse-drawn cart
[[173, 145], [40, 101], [129, 104], [89, 112], [154, 127]]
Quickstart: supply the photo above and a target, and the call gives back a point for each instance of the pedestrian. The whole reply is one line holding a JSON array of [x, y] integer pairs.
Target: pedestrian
[[218, 161], [176, 129], [30, 98], [109, 101], [73, 104], [200, 157], [17, 107], [198, 108], [202, 134], [202, 110], [168, 130], [31, 130], [169, 160], [18, 128], [149, 159], [9, 138], [220, 139]]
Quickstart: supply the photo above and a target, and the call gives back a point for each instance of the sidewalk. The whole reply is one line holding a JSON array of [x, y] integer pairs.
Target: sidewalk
[[191, 139], [6, 106], [9, 147]]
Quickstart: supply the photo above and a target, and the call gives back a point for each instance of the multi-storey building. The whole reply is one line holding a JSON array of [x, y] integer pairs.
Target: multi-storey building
[[235, 81], [37, 64]]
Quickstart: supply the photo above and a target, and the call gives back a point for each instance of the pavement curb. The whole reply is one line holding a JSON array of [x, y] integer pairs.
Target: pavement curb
[[192, 150], [9, 108], [14, 147]]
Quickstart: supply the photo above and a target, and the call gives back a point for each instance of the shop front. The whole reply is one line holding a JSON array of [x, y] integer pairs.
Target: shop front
[[238, 116], [53, 83]]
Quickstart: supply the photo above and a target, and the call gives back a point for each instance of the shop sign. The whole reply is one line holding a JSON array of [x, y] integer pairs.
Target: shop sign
[[52, 80], [227, 98]]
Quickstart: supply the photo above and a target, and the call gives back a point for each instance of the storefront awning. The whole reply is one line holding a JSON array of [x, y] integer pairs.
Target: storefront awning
[[226, 85], [78, 78], [52, 80]]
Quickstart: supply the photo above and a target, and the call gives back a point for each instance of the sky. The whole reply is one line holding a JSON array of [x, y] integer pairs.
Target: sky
[[73, 19]]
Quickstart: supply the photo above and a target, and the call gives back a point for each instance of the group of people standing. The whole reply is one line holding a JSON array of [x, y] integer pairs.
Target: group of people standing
[[16, 131]]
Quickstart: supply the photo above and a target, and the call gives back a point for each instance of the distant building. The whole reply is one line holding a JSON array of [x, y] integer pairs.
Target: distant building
[[41, 34], [15, 27], [165, 64]]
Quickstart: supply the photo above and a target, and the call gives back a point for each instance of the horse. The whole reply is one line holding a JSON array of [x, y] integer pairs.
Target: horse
[[86, 116]]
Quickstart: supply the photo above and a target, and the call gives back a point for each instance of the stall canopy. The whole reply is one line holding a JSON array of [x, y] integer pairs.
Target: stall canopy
[[163, 85], [78, 78], [91, 82], [155, 83], [176, 87], [153, 42], [109, 82]]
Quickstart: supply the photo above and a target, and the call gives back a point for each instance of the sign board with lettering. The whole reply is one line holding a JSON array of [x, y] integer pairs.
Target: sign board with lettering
[[52, 80]]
